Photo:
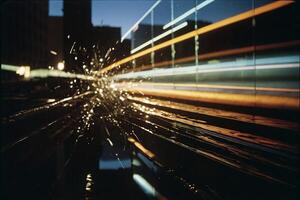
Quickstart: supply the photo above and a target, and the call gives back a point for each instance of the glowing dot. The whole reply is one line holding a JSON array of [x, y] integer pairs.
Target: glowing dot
[[60, 66]]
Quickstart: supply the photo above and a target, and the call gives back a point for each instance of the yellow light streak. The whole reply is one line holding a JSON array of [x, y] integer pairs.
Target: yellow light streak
[[218, 54], [221, 87], [256, 139], [231, 20], [248, 100], [141, 147], [248, 118]]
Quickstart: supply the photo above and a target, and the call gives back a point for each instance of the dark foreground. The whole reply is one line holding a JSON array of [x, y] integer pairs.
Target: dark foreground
[[152, 153]]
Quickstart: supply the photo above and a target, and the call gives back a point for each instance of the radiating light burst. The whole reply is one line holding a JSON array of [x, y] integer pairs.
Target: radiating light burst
[[108, 103]]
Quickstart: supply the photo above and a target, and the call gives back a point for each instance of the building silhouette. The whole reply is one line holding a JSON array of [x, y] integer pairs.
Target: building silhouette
[[85, 44], [24, 33], [55, 40], [109, 47], [77, 29]]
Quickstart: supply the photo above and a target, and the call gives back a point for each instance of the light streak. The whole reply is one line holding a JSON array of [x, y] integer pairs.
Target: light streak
[[225, 133], [228, 52], [282, 62], [263, 101], [141, 147], [9, 67], [187, 85], [159, 37], [214, 112], [188, 13], [110, 142], [53, 52], [141, 19], [72, 47], [145, 185], [43, 73], [228, 21]]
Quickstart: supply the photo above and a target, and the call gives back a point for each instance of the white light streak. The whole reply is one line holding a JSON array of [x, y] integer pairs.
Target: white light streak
[[9, 67], [110, 142], [72, 47], [141, 19], [145, 185], [159, 37], [193, 69], [53, 52], [188, 13], [263, 63]]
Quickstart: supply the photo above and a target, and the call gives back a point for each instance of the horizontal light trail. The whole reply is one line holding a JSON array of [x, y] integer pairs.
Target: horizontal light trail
[[213, 155], [186, 85], [228, 21], [257, 100], [10, 67], [279, 66], [245, 65], [234, 157], [141, 19], [159, 37], [43, 73], [235, 135], [49, 105], [248, 118], [188, 13], [218, 54]]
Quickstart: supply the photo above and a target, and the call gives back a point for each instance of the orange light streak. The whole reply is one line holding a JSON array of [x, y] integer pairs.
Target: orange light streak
[[231, 20], [141, 147], [263, 101], [223, 53]]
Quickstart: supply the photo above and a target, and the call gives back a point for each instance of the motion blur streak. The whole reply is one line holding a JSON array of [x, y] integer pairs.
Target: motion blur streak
[[219, 113], [187, 85], [141, 147], [264, 101], [218, 54], [237, 18]]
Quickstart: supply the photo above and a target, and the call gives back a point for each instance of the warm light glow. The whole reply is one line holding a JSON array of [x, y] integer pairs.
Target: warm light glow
[[21, 71], [141, 147], [264, 101], [60, 66], [24, 71]]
